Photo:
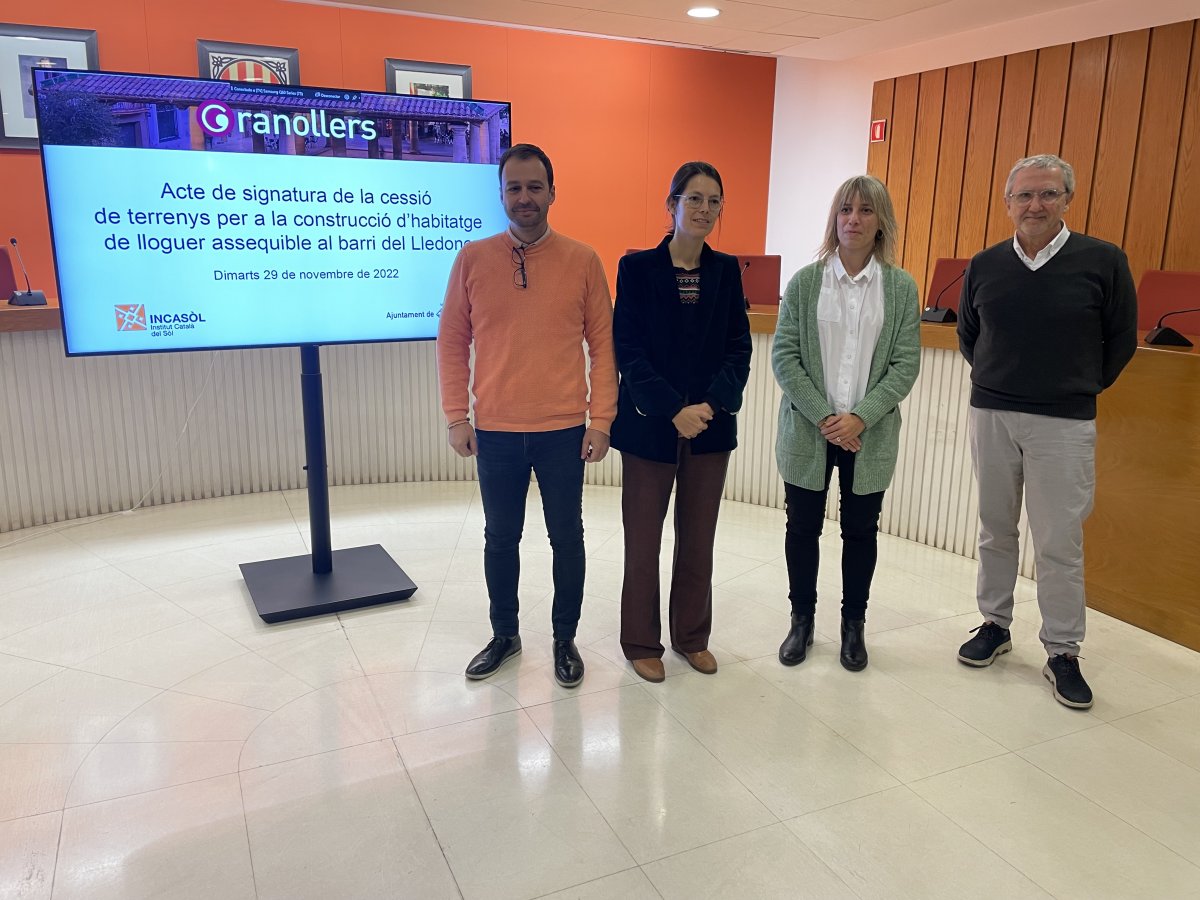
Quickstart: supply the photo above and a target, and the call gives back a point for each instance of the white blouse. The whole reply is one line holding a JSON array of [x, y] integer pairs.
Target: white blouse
[[849, 321]]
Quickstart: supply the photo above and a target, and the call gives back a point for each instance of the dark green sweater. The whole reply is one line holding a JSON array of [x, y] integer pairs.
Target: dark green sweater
[[1048, 341]]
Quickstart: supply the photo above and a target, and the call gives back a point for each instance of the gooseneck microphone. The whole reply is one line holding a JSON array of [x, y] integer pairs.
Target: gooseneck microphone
[[937, 313], [1165, 336], [28, 297], [745, 266]]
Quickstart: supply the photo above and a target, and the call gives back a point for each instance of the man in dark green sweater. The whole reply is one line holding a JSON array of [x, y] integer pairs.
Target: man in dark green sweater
[[1047, 321]]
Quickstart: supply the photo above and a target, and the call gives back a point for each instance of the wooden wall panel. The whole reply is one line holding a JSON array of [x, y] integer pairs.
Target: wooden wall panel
[[952, 154], [1158, 146], [1182, 250], [981, 151], [1117, 143], [1123, 110], [881, 108], [900, 154], [924, 173], [1049, 99], [1085, 100], [1012, 135]]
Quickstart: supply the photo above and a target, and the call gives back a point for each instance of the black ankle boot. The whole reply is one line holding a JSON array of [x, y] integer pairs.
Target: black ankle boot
[[854, 645], [795, 646]]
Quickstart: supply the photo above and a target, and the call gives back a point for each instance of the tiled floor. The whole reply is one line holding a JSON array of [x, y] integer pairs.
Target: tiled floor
[[158, 740]]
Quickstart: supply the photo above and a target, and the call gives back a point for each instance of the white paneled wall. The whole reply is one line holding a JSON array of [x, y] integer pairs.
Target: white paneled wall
[[80, 437]]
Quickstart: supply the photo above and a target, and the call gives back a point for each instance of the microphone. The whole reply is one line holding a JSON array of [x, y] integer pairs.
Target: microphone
[[30, 297], [745, 266], [1165, 336], [938, 314]]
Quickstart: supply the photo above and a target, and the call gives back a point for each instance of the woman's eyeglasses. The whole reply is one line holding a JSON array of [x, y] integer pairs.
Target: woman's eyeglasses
[[696, 201], [520, 277]]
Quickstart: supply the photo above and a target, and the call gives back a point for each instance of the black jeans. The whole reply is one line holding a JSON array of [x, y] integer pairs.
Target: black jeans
[[505, 460], [860, 529]]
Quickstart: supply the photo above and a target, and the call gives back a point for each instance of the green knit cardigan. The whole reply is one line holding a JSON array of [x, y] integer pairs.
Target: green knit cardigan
[[796, 357]]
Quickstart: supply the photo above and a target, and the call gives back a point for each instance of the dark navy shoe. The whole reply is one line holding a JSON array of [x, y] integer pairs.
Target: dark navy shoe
[[989, 642], [489, 660], [1070, 689]]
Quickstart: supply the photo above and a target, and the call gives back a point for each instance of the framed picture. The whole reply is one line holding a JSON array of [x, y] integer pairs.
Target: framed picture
[[427, 79], [248, 62], [22, 48]]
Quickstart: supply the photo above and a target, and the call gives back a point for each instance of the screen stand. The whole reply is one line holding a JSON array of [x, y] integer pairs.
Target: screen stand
[[325, 581]]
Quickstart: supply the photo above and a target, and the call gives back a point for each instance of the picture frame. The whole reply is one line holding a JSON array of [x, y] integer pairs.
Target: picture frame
[[410, 76], [21, 48], [248, 62]]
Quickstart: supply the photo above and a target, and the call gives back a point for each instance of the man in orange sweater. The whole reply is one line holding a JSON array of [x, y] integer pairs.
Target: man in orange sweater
[[529, 298]]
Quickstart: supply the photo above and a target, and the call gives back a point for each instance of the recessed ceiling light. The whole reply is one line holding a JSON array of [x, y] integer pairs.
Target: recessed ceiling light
[[704, 12]]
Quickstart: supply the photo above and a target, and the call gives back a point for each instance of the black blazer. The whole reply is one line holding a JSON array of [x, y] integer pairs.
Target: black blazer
[[660, 371]]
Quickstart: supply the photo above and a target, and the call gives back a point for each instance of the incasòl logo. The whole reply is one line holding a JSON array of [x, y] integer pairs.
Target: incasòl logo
[[218, 120], [131, 317]]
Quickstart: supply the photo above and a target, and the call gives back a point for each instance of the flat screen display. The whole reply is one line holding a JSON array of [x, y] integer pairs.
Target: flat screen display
[[189, 214]]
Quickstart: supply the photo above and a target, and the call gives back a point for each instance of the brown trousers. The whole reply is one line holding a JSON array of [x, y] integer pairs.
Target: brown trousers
[[645, 494]]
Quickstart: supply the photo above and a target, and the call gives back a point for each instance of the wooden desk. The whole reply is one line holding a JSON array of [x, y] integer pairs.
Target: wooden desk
[[30, 318]]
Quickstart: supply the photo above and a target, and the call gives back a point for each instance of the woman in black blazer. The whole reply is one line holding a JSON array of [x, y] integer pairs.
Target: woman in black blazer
[[683, 350]]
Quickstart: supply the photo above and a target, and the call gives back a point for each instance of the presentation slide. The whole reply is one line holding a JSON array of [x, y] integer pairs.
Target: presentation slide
[[191, 214]]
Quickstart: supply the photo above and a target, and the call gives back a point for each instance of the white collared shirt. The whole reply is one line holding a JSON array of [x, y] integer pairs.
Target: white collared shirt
[[1044, 255], [849, 322]]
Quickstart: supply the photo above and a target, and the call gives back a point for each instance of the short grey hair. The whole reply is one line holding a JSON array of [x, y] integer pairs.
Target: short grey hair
[[1043, 161]]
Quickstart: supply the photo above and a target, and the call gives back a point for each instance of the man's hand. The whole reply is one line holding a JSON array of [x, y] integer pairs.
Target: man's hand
[[595, 446], [462, 439], [691, 420], [843, 431]]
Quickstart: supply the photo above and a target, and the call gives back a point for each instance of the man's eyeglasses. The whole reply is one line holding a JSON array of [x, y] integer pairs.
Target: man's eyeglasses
[[696, 201], [520, 278], [1048, 196]]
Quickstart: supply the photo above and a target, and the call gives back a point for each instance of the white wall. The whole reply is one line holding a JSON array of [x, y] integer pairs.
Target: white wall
[[823, 109]]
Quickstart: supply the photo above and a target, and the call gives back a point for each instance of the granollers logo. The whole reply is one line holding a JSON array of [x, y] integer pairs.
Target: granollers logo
[[218, 120]]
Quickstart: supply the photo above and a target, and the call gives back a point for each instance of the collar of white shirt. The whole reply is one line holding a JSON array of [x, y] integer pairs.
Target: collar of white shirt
[[863, 277], [1043, 256], [517, 242]]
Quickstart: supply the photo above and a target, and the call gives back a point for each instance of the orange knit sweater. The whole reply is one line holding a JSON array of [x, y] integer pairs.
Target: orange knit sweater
[[530, 370]]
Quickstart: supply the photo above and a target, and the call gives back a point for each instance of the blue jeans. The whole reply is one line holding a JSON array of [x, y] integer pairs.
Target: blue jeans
[[505, 460]]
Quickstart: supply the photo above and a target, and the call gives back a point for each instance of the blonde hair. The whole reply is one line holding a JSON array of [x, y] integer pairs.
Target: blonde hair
[[875, 194]]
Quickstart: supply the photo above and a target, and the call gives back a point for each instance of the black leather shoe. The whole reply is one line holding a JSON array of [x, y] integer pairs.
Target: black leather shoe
[[854, 645], [794, 648], [568, 665], [489, 660]]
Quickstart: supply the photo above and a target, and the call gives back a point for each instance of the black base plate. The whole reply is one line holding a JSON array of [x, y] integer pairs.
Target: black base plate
[[287, 588]]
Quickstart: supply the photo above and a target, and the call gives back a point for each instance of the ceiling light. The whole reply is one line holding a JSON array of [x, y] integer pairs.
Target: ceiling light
[[704, 12]]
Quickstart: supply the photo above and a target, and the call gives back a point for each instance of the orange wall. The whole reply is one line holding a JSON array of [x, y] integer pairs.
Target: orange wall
[[615, 117]]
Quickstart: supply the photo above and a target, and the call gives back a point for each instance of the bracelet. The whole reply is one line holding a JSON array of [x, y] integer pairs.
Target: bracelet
[[459, 422]]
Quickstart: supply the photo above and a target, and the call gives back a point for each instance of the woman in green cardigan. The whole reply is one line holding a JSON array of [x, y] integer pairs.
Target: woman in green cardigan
[[847, 350]]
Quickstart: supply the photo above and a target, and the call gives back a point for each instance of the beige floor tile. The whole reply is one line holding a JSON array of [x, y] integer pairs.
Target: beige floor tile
[[168, 569], [211, 595], [791, 762], [172, 717], [467, 601], [91, 631], [907, 735], [1144, 786], [632, 884], [390, 647], [18, 675], [243, 624], [55, 598], [895, 846], [1062, 841], [472, 775], [70, 707], [418, 701], [341, 715], [166, 657], [764, 864], [35, 778], [121, 770], [321, 658], [417, 608], [342, 824], [248, 680], [658, 786], [27, 563], [186, 842], [30, 852], [1173, 729]]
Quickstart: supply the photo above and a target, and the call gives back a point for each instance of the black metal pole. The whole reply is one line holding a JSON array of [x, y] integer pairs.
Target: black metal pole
[[313, 399]]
